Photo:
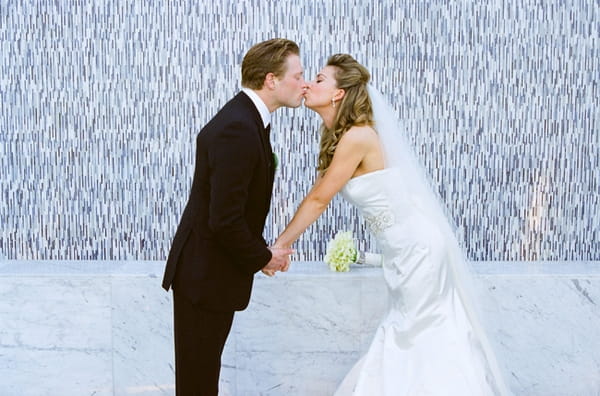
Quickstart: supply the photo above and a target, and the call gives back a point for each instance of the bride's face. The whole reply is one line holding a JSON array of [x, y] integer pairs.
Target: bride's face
[[321, 90]]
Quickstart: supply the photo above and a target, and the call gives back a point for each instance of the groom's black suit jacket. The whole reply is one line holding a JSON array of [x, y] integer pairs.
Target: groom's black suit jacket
[[218, 246]]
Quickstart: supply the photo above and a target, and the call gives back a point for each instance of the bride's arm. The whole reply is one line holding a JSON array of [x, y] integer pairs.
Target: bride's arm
[[348, 155]]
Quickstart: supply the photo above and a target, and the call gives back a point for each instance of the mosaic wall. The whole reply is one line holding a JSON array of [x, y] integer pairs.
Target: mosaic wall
[[100, 103]]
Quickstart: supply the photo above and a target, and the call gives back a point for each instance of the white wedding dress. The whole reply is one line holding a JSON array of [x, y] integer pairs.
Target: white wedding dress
[[429, 342]]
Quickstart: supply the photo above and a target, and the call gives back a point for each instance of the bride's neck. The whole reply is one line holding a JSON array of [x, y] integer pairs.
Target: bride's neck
[[328, 116]]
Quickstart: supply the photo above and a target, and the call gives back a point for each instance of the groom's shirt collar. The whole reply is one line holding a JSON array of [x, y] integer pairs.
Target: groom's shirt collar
[[260, 106]]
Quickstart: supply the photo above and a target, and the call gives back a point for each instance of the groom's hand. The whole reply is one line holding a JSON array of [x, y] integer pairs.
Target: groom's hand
[[279, 262]]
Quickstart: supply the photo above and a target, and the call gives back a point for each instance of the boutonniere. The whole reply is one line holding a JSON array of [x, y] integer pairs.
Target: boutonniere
[[275, 161]]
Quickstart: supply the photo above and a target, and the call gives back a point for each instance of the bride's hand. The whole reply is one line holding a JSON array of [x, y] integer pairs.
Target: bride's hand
[[279, 245]]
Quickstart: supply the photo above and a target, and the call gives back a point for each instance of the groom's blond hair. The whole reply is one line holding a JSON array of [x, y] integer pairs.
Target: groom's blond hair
[[264, 58]]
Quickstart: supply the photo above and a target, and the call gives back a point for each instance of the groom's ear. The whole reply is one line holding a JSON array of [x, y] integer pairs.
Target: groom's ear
[[270, 81]]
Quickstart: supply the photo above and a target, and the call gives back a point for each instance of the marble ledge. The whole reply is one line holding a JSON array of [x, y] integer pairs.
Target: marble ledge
[[105, 328], [152, 268]]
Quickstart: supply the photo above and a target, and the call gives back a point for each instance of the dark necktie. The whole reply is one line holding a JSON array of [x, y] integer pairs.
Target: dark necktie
[[268, 149]]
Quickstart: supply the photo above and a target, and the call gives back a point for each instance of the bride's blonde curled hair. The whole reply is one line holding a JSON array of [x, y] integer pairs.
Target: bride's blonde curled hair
[[355, 107]]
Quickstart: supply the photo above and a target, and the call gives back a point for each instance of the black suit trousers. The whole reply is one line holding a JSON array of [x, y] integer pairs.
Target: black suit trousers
[[200, 336]]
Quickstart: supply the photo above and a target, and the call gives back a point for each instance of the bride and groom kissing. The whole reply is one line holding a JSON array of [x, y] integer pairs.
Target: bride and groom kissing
[[430, 342]]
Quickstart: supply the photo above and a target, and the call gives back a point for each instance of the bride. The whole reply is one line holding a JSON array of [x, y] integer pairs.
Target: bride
[[430, 342]]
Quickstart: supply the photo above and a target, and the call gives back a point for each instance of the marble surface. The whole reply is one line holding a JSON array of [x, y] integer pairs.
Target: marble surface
[[55, 336], [142, 350], [105, 328]]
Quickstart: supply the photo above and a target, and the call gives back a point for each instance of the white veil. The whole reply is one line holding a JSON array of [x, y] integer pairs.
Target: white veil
[[399, 154]]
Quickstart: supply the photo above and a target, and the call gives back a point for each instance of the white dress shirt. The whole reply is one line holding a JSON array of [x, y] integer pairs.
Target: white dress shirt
[[262, 108]]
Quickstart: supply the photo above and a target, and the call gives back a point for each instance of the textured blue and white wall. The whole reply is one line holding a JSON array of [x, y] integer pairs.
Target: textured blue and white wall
[[100, 103]]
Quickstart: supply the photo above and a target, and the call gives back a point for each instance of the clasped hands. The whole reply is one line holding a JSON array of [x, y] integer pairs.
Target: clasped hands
[[279, 262]]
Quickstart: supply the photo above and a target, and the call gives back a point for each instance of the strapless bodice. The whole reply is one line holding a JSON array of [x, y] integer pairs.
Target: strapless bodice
[[379, 197]]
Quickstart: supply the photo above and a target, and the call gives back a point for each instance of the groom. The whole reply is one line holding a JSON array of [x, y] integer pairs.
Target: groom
[[218, 246]]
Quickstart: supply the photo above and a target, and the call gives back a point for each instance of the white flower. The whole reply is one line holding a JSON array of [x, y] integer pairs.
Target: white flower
[[341, 252]]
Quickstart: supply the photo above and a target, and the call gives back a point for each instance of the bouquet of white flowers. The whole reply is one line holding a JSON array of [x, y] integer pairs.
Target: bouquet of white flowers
[[342, 251]]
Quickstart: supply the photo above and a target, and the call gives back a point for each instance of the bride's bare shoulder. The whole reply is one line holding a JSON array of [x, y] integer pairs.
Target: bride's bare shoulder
[[360, 134]]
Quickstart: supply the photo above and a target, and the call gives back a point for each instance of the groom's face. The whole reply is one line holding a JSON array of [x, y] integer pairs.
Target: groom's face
[[289, 88]]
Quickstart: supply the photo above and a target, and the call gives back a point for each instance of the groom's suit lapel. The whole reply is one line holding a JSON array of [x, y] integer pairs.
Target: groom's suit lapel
[[267, 151]]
